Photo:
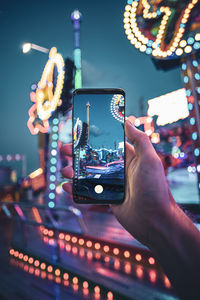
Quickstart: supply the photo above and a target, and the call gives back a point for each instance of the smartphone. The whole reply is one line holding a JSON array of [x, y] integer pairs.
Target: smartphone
[[98, 146]]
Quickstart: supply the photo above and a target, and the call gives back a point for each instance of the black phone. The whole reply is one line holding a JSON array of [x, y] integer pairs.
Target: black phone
[[98, 146]]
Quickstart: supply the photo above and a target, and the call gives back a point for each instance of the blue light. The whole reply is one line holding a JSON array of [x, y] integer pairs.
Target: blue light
[[54, 144], [55, 121], [184, 67], [197, 76], [150, 43], [190, 40], [158, 12], [148, 51], [198, 89], [186, 79], [52, 178], [52, 186], [129, 1], [194, 136], [55, 128], [196, 46], [195, 63], [52, 196], [190, 106], [53, 160], [188, 93], [182, 25], [53, 169], [51, 204], [54, 136], [196, 152], [192, 121]]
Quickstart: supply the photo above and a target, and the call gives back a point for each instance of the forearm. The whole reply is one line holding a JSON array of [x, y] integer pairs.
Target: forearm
[[177, 248]]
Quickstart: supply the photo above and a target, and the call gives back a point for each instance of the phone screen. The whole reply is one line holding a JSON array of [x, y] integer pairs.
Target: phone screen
[[98, 146]]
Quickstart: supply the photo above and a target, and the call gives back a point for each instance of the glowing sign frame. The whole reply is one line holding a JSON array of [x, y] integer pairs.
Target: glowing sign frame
[[44, 99], [176, 47]]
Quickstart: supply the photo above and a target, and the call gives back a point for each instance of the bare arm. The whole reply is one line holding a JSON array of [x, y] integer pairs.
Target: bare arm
[[151, 215]]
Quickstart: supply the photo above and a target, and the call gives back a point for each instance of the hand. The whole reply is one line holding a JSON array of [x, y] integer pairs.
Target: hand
[[147, 194]]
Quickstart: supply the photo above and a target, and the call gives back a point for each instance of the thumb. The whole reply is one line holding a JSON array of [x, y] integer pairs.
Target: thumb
[[138, 138]]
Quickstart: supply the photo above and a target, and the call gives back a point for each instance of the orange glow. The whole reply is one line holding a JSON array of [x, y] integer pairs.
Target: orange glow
[[30, 260], [167, 282], [26, 268], [151, 260], [37, 272], [116, 264], [45, 231], [75, 280], [97, 255], [16, 253], [116, 251], [67, 237], [89, 255], [75, 287], [97, 246], [61, 236], [58, 280], [43, 266], [74, 239], [81, 242], [25, 258], [11, 251], [50, 269], [139, 272], [36, 212], [51, 233], [97, 289], [85, 285], [85, 292], [57, 272], [43, 274], [66, 282], [138, 257], [127, 268], [106, 248], [81, 252], [89, 244], [37, 263], [50, 276], [107, 259], [31, 270], [74, 250], [152, 276], [66, 276], [126, 254], [110, 295], [68, 248], [21, 256]]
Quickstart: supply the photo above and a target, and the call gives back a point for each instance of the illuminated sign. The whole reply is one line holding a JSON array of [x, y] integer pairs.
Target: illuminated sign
[[47, 96], [169, 108], [164, 29]]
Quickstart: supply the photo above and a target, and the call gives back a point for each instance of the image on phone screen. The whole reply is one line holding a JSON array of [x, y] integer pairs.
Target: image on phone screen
[[98, 148]]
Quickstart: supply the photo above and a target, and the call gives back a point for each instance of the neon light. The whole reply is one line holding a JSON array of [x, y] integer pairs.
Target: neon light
[[157, 14], [169, 108], [36, 173], [46, 100]]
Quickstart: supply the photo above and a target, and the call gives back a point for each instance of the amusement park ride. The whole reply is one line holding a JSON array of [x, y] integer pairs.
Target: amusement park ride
[[104, 262]]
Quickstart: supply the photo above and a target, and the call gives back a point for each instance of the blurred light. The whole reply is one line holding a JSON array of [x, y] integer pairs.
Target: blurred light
[[51, 204], [26, 47]]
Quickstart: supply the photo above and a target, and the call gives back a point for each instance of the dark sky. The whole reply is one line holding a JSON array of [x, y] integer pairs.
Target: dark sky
[[105, 130], [109, 60]]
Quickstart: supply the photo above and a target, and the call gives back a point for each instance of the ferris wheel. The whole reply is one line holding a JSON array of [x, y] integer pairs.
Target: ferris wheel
[[117, 107]]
